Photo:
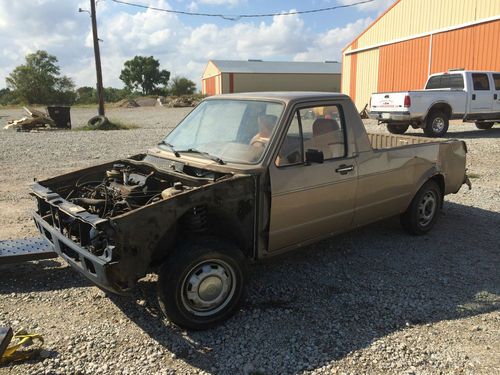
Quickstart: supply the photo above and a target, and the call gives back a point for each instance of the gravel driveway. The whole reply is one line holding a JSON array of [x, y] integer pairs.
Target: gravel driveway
[[371, 301]]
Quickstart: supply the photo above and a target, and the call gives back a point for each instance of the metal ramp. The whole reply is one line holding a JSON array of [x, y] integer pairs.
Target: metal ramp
[[25, 250]]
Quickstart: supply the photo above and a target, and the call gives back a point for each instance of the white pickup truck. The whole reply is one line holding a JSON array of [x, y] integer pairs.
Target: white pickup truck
[[472, 96]]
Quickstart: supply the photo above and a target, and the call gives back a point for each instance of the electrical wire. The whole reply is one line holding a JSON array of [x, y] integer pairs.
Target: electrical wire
[[236, 17]]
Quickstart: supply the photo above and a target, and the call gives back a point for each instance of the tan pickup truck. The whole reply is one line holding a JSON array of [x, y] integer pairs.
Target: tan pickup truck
[[243, 177]]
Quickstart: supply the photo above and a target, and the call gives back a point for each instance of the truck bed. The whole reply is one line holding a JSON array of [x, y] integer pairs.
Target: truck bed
[[384, 141]]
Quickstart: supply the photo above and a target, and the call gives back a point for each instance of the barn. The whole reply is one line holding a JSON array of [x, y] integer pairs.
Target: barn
[[228, 76], [415, 38]]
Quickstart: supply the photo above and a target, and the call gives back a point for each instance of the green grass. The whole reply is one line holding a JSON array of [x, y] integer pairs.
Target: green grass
[[110, 125], [473, 175]]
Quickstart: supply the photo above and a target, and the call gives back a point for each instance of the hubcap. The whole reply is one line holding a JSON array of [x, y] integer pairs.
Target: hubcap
[[208, 287], [438, 125], [427, 208]]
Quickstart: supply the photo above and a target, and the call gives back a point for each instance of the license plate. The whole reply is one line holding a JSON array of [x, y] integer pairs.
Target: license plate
[[386, 115]]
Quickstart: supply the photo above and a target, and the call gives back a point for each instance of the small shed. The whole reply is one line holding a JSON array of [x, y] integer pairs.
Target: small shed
[[233, 76]]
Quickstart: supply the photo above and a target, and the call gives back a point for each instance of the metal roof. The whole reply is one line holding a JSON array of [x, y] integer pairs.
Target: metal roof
[[259, 66], [281, 95]]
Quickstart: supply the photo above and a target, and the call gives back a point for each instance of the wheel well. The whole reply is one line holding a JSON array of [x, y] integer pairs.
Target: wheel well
[[201, 221], [443, 107], [439, 180]]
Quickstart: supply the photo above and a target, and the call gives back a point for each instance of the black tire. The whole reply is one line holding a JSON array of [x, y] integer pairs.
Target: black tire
[[423, 211], [181, 280], [397, 128], [484, 125], [98, 122], [436, 124]]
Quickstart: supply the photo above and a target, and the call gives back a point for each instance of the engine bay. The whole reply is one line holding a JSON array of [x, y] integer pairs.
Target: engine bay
[[127, 185]]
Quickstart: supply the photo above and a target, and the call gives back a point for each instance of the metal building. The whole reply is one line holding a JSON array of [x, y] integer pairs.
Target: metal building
[[227, 76], [415, 38]]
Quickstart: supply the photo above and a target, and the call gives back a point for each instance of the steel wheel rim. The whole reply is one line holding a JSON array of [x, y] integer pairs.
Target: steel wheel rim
[[427, 208], [208, 287], [438, 125]]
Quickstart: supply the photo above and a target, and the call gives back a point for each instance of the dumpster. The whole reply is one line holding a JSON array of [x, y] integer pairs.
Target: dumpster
[[61, 116]]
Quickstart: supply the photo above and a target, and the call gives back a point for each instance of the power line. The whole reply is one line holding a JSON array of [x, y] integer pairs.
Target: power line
[[235, 17]]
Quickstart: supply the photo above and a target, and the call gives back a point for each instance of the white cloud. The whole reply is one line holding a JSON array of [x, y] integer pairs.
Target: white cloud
[[328, 45], [376, 5], [182, 49]]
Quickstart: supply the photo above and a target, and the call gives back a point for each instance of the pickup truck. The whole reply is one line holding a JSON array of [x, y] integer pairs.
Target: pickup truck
[[243, 177], [471, 96]]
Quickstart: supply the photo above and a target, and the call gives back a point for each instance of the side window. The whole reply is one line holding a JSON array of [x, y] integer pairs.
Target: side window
[[318, 128], [480, 81], [496, 78], [456, 81]]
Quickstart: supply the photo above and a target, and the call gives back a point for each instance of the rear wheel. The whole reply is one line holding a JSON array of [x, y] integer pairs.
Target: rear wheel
[[397, 128], [421, 215], [436, 125], [202, 283], [484, 125]]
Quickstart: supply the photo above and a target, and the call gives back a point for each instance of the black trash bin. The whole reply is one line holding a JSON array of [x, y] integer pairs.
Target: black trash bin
[[60, 115]]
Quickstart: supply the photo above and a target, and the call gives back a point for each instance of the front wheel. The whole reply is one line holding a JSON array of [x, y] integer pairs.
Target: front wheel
[[436, 124], [397, 128], [484, 125], [202, 283], [421, 215]]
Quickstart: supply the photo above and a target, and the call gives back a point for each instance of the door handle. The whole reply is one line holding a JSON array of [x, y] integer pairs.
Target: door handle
[[495, 96], [344, 169], [473, 96]]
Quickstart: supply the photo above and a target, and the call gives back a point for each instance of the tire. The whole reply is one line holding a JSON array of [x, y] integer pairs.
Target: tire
[[98, 122], [194, 273], [423, 211], [436, 124], [484, 125], [397, 128]]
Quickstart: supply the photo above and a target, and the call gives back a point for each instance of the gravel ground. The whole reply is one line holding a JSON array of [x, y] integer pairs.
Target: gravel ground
[[371, 301]]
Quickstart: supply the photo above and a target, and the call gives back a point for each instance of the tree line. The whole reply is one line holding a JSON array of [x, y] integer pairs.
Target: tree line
[[39, 81]]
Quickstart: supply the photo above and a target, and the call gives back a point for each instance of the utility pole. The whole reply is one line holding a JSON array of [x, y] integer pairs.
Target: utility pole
[[100, 89]]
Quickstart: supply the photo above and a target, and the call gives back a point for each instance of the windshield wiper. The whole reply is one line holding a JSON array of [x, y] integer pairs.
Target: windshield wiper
[[206, 154], [171, 147]]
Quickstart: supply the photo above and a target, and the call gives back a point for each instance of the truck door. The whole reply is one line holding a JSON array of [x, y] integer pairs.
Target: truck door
[[312, 197], [496, 96], [481, 99]]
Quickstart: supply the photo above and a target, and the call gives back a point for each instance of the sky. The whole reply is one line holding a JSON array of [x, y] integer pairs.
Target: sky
[[183, 44]]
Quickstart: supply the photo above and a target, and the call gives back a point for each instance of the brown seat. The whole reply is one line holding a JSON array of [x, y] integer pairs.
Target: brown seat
[[327, 138]]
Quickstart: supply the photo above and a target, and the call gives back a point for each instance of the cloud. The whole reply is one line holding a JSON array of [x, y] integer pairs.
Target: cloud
[[183, 49], [328, 45], [376, 5]]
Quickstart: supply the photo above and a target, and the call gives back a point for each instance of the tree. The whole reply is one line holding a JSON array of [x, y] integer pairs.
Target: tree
[[39, 80], [182, 86], [144, 73]]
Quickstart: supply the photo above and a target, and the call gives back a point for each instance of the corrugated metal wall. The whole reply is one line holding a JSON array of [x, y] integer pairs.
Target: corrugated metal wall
[[476, 47], [366, 76], [412, 17], [404, 66], [346, 74], [209, 86]]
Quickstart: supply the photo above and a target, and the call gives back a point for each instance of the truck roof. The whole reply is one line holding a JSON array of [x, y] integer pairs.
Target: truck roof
[[285, 96]]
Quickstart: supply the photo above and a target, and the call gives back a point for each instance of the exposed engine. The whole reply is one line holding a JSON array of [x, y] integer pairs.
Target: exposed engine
[[124, 188]]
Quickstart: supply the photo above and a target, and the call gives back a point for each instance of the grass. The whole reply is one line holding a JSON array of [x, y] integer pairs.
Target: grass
[[110, 125], [473, 175]]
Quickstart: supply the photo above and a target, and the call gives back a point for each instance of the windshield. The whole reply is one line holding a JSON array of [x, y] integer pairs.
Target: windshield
[[226, 130]]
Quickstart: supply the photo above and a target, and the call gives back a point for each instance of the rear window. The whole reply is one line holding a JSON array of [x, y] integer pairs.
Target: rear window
[[446, 81], [480, 81], [496, 78]]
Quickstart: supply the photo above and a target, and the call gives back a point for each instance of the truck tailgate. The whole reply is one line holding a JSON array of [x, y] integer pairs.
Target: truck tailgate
[[388, 102]]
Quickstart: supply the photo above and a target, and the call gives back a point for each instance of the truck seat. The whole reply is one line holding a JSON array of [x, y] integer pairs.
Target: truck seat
[[327, 137]]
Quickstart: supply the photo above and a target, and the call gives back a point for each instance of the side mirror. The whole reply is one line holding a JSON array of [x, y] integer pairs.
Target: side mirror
[[314, 156]]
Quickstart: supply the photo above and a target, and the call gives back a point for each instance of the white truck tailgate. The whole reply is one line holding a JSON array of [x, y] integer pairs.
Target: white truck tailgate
[[388, 102]]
